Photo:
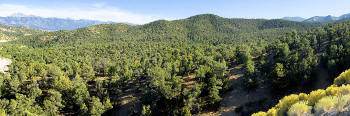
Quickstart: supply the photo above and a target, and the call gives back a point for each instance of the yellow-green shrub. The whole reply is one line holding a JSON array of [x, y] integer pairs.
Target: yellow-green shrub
[[325, 104], [271, 112], [332, 91], [299, 109], [286, 102], [335, 96], [345, 89], [342, 100], [259, 114], [343, 78], [314, 96], [303, 96]]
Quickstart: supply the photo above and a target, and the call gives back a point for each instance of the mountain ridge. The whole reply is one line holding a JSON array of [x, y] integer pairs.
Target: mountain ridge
[[199, 28], [48, 24], [319, 19], [297, 19]]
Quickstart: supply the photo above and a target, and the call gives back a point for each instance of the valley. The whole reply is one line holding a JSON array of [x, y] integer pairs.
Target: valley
[[202, 65]]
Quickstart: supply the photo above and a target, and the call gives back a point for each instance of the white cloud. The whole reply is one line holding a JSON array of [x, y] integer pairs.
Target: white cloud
[[97, 11], [99, 5]]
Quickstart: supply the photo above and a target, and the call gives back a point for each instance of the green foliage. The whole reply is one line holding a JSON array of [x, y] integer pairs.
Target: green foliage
[[81, 94], [285, 103], [179, 67], [279, 70], [23, 105], [334, 100], [11, 33], [146, 111], [96, 107], [53, 103]]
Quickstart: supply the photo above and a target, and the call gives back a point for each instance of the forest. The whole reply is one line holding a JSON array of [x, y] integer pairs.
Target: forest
[[179, 67]]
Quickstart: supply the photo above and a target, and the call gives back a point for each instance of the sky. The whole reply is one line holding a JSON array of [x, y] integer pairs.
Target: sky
[[145, 11]]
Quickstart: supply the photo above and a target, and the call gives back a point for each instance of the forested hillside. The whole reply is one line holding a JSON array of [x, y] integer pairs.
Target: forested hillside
[[297, 59], [11, 33], [332, 101], [176, 67], [207, 28]]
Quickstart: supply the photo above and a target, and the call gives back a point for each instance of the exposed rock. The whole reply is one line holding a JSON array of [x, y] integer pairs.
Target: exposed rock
[[4, 63], [335, 112]]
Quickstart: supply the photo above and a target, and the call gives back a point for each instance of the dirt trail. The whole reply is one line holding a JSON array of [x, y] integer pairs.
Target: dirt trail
[[240, 102], [234, 101], [129, 100]]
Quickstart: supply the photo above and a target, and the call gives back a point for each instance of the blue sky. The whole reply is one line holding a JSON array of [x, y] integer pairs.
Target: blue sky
[[144, 11]]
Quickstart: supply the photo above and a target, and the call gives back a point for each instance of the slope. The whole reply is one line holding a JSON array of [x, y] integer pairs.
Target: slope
[[205, 28], [332, 101], [164, 67], [11, 33]]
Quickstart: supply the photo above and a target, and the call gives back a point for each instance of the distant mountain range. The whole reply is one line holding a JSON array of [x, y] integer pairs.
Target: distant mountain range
[[322, 19], [48, 24], [319, 19], [297, 19]]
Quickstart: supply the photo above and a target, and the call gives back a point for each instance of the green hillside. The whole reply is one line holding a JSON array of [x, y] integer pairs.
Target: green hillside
[[11, 33], [296, 62], [205, 28], [332, 101], [179, 67]]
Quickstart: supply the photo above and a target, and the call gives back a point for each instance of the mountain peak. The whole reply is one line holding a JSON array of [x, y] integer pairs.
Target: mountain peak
[[48, 24], [297, 19], [322, 19], [201, 16], [21, 15]]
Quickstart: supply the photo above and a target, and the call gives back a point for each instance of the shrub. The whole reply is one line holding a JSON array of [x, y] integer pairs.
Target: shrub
[[332, 91], [303, 96], [286, 102], [299, 109], [259, 114], [325, 104], [316, 95], [341, 102], [272, 112], [344, 89], [343, 78]]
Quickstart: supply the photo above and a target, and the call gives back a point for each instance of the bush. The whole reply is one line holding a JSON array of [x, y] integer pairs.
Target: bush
[[344, 90], [335, 100], [300, 109], [341, 102], [303, 96], [260, 114], [286, 102], [325, 104], [272, 112], [316, 95], [332, 90], [343, 78]]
